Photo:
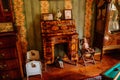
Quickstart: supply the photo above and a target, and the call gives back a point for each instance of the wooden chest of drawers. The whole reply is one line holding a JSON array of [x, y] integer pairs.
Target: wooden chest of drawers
[[9, 62]]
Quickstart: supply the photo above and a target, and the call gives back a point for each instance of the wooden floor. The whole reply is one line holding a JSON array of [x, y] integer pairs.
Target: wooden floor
[[80, 72]]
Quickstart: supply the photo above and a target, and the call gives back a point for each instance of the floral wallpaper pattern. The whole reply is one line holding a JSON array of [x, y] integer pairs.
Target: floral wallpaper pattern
[[44, 6], [20, 22], [68, 4], [88, 17], [45, 3]]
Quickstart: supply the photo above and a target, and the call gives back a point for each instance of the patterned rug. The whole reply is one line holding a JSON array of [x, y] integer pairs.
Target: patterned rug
[[95, 78]]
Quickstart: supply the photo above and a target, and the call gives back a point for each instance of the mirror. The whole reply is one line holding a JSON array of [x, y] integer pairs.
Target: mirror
[[114, 16]]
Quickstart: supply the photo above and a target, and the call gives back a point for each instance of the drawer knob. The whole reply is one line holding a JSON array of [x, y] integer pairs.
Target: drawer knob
[[2, 55], [5, 76], [3, 66], [1, 43]]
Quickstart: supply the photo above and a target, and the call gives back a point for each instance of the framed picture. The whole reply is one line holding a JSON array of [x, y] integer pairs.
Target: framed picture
[[47, 16], [68, 13]]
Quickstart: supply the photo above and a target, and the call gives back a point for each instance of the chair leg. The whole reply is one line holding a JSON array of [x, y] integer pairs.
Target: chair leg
[[93, 59], [84, 60]]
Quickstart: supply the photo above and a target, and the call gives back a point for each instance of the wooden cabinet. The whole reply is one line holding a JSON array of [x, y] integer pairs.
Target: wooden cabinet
[[10, 57], [6, 12], [57, 32], [100, 23], [9, 61], [112, 29], [107, 27]]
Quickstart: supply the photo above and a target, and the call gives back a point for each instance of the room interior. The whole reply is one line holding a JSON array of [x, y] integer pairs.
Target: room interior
[[54, 28]]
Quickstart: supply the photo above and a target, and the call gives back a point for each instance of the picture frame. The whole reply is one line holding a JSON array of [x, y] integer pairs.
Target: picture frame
[[68, 14], [47, 16]]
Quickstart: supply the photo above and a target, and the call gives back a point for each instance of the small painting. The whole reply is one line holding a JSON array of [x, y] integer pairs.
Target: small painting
[[68, 14], [47, 16]]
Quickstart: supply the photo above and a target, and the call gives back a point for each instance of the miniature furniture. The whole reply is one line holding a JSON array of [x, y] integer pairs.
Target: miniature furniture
[[33, 64], [10, 54], [112, 29], [113, 73], [9, 59], [6, 11], [86, 52], [107, 29], [57, 32], [100, 24]]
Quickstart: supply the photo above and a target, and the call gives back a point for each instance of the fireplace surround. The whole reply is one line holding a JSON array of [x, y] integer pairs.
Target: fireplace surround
[[57, 32]]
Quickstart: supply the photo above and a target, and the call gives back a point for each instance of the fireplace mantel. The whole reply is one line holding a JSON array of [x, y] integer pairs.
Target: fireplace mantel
[[56, 32]]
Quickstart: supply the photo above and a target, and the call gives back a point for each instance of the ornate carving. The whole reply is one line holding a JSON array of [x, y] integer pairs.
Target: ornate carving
[[54, 32]]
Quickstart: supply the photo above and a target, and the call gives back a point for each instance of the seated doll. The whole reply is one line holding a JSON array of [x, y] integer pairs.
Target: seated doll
[[85, 46]]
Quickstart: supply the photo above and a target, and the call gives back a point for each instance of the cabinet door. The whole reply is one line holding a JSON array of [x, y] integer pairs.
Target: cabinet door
[[100, 21]]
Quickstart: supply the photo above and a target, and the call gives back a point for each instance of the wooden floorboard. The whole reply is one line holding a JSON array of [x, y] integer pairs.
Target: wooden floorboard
[[80, 72]]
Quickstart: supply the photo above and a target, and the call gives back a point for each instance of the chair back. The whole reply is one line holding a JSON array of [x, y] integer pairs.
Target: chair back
[[33, 55]]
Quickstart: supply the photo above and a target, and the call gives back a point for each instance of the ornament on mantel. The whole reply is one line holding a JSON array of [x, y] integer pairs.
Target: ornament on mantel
[[58, 15]]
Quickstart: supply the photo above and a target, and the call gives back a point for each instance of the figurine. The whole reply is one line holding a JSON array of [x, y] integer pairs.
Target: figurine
[[60, 61], [58, 15]]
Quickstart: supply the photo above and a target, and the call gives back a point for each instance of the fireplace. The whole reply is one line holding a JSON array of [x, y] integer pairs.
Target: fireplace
[[59, 32], [61, 50]]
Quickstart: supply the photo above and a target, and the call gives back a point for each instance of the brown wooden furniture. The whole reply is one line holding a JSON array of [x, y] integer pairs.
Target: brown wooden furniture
[[56, 32], [9, 60], [10, 50], [87, 53], [100, 24], [112, 29], [6, 12], [106, 36]]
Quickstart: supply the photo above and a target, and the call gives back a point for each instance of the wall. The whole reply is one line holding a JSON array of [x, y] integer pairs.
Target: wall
[[32, 10]]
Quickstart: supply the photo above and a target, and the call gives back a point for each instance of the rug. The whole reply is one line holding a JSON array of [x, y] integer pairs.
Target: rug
[[95, 78]]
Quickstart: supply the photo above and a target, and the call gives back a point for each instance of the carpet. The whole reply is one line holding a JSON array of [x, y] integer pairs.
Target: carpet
[[94, 78]]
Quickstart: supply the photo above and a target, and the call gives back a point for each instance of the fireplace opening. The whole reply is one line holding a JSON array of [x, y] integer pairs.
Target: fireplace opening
[[61, 50]]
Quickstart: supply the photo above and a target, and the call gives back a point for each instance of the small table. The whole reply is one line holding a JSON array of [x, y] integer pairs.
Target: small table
[[112, 73]]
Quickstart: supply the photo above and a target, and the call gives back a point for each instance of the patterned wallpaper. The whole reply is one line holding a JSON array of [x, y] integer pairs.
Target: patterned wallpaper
[[45, 5], [20, 16], [88, 16], [68, 4], [20, 22]]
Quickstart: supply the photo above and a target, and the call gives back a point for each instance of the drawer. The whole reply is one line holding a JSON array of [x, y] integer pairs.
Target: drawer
[[8, 53], [9, 64], [10, 75], [7, 42]]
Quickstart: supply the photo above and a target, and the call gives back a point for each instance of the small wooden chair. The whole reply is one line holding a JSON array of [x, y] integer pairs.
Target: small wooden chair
[[87, 53], [33, 64]]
